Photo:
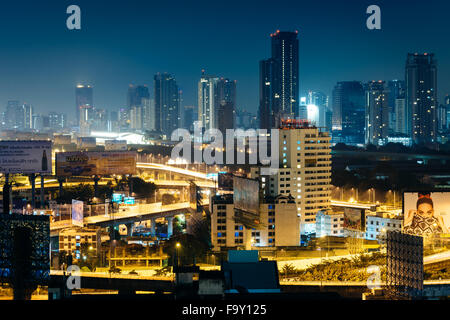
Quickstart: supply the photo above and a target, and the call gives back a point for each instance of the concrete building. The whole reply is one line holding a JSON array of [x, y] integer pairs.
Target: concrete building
[[305, 170], [280, 225], [71, 241], [377, 224], [329, 224], [377, 113]]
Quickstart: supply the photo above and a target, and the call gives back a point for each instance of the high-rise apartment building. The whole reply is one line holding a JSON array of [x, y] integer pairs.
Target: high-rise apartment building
[[377, 113], [421, 97], [396, 91], [207, 101], [305, 170]]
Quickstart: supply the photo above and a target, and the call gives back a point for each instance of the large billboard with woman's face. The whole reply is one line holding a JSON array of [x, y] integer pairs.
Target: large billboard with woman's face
[[426, 212]]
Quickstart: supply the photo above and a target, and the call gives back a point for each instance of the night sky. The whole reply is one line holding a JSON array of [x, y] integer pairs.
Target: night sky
[[123, 42]]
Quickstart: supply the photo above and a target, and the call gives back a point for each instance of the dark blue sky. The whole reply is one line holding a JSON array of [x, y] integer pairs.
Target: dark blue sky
[[124, 42]]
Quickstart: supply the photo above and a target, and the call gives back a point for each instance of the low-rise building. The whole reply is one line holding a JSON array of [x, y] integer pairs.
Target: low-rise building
[[71, 241], [329, 224], [377, 224], [279, 224]]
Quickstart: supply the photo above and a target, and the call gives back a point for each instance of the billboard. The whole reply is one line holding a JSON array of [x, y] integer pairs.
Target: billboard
[[354, 219], [225, 181], [246, 195], [426, 213], [77, 213], [26, 157], [89, 163], [116, 145]]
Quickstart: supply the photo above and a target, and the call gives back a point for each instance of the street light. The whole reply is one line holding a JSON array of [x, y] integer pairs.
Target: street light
[[177, 246]]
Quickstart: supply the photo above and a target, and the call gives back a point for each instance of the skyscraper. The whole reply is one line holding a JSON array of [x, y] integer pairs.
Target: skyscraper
[[348, 112], [83, 99], [377, 113], [266, 116], [14, 115], [136, 94], [167, 103], [27, 116], [279, 84], [207, 101], [421, 97], [320, 100], [285, 82], [226, 100], [396, 90]]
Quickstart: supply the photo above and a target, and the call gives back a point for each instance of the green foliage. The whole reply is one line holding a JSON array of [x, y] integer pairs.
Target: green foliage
[[168, 198], [354, 269], [141, 188], [163, 271], [85, 269]]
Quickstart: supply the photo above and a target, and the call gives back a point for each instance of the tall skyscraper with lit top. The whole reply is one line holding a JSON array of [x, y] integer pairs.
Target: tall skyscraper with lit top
[[83, 99], [421, 97], [279, 83]]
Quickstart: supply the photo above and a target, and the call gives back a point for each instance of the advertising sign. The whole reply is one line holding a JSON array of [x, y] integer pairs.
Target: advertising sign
[[225, 181], [95, 163], [426, 213], [354, 219], [77, 213], [26, 157], [246, 195]]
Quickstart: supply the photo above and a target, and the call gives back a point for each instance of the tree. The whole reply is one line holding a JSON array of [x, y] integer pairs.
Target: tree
[[141, 188]]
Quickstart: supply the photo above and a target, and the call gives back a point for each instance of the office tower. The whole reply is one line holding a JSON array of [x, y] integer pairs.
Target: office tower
[[136, 94], [148, 114], [98, 119], [377, 113], [124, 118], [85, 120], [190, 114], [207, 101], [320, 100], [349, 112], [83, 99], [302, 110], [225, 116], [57, 121], [136, 118], [113, 122], [278, 81], [396, 90], [167, 103], [266, 116], [441, 118], [305, 170], [447, 107], [27, 116], [400, 115], [285, 80], [421, 97], [14, 115]]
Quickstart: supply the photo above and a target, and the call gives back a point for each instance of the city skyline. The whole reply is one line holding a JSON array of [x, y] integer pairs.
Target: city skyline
[[91, 56]]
